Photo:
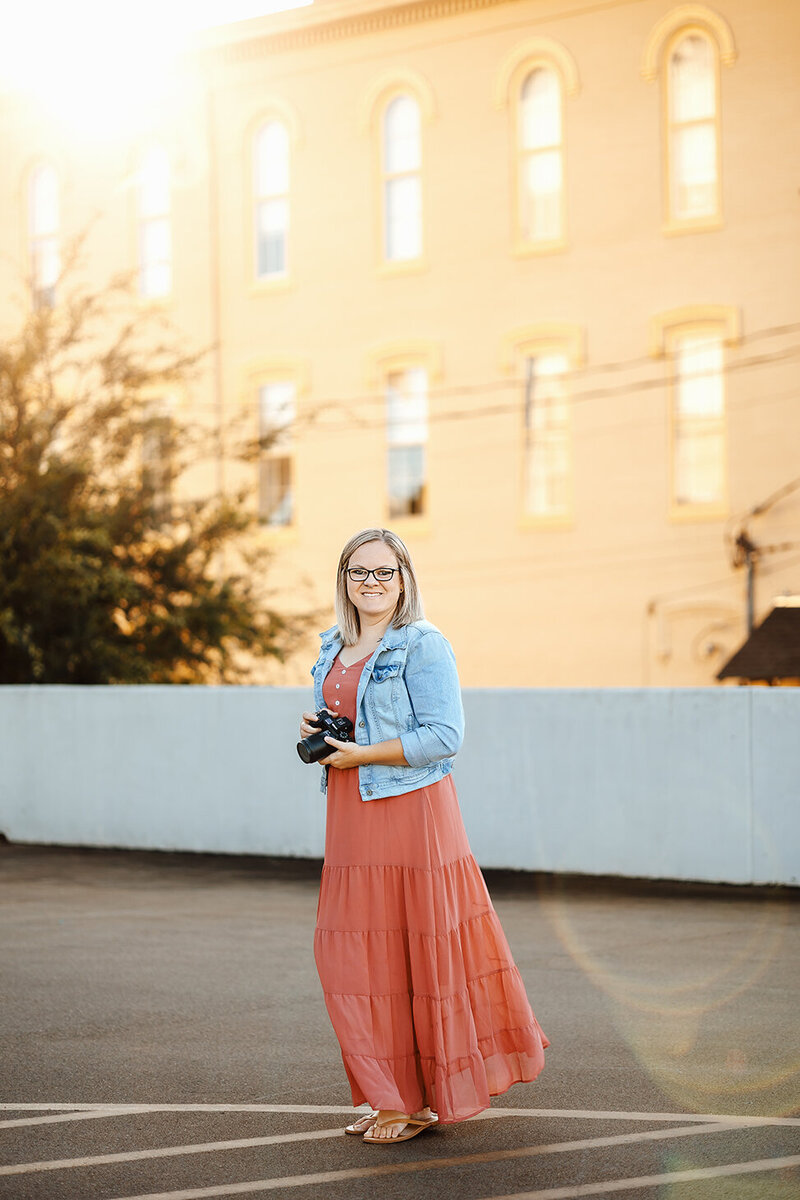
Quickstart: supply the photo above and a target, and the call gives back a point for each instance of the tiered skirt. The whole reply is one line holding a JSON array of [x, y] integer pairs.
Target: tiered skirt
[[423, 993]]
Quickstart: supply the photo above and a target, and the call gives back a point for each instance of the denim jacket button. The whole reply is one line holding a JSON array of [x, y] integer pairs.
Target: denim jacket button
[[369, 791], [360, 724]]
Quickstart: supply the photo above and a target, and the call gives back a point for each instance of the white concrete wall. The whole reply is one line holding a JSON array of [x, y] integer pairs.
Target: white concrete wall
[[699, 784]]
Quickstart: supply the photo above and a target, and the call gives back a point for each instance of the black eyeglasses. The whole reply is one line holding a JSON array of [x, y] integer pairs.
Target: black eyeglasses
[[382, 574]]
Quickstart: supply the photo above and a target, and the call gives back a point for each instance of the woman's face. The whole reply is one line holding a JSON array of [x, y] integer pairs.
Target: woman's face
[[375, 599]]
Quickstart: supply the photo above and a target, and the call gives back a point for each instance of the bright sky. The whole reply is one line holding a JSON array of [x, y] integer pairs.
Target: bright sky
[[89, 59]]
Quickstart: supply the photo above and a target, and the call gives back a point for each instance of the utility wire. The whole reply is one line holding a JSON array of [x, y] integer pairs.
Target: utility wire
[[521, 569], [515, 383], [505, 409], [626, 555], [581, 434]]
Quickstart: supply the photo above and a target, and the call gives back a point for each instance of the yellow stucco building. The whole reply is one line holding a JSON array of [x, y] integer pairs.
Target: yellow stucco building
[[519, 279]]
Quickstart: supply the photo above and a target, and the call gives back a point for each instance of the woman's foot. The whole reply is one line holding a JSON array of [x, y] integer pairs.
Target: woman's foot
[[391, 1126], [361, 1124]]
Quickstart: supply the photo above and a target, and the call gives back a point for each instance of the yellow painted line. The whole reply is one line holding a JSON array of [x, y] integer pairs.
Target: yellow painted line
[[430, 1164]]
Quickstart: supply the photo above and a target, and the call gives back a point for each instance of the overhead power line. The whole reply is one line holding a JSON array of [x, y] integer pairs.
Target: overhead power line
[[357, 423], [514, 383]]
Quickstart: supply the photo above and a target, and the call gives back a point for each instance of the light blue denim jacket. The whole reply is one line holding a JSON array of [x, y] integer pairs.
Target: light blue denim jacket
[[408, 689]]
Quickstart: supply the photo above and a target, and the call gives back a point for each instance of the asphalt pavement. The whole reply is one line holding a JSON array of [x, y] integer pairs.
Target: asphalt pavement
[[163, 1034]]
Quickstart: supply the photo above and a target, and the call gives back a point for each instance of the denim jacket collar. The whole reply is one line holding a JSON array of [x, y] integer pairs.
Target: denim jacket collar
[[393, 639], [407, 689]]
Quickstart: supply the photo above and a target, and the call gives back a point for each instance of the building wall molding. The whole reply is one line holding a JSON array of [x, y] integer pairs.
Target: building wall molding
[[342, 24], [544, 335], [392, 82], [538, 51], [687, 16], [273, 368], [397, 355], [693, 316], [274, 108]]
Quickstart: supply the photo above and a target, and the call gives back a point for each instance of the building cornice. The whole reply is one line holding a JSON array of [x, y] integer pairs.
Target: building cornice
[[331, 22]]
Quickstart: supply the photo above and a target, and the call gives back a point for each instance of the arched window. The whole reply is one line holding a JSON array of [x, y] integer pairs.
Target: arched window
[[687, 48], [540, 154], [277, 405], [43, 226], [547, 485], [157, 457], [693, 134], [155, 225], [698, 421], [271, 182], [406, 394], [402, 180], [694, 340], [543, 357]]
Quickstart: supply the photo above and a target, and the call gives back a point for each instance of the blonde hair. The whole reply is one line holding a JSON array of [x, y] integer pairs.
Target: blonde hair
[[409, 606]]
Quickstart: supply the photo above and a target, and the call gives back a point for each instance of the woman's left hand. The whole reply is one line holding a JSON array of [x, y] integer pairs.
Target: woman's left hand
[[345, 754]]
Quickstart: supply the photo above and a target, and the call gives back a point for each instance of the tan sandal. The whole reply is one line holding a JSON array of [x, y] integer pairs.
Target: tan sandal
[[361, 1124], [411, 1127]]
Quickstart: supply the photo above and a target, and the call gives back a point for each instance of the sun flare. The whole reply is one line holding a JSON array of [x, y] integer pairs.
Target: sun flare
[[104, 66]]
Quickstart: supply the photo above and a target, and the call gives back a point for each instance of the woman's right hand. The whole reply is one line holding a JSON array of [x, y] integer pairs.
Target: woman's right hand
[[306, 729]]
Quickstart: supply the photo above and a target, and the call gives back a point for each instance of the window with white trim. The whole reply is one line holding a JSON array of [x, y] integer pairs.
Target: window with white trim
[[156, 458], [547, 483], [155, 225], [402, 179], [277, 405], [698, 420], [407, 438], [693, 128], [540, 165], [43, 227], [271, 182]]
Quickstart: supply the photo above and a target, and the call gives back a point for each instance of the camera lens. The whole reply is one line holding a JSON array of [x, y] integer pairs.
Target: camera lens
[[313, 748]]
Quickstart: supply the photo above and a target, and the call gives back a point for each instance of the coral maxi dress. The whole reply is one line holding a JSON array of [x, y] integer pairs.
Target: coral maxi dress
[[425, 999]]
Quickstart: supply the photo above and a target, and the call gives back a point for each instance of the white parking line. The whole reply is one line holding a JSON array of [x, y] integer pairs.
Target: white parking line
[[145, 1108], [432, 1164], [89, 1114], [323, 1109], [607, 1187], [60, 1164], [694, 1124], [311, 1135]]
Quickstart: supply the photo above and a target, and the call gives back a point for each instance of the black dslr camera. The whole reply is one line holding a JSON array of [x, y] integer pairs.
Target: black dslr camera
[[313, 748]]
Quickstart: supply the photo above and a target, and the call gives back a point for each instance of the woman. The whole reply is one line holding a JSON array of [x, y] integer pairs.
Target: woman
[[428, 1006]]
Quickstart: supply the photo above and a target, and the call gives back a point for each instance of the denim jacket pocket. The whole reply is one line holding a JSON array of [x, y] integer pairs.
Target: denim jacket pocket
[[389, 671], [387, 699]]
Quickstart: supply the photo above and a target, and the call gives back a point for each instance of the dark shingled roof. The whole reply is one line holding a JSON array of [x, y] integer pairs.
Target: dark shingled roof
[[772, 652]]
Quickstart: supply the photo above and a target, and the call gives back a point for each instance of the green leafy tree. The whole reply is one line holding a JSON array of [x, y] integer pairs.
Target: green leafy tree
[[109, 571]]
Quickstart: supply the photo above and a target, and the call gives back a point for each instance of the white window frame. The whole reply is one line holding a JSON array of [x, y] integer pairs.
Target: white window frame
[[157, 471], [271, 197], [680, 130], [407, 416], [395, 180], [44, 224], [551, 149], [547, 443], [277, 413], [155, 225], [697, 420]]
